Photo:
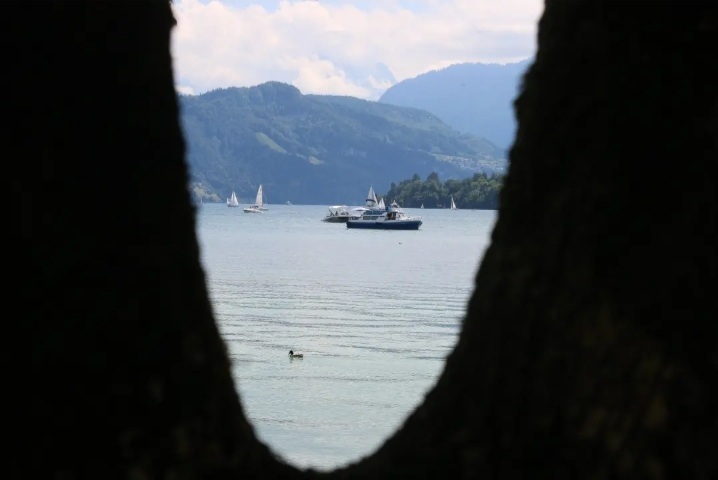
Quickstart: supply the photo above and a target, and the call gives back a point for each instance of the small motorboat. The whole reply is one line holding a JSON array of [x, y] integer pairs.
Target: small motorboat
[[337, 214]]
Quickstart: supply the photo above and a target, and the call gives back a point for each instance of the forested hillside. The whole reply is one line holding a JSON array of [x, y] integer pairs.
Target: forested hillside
[[316, 149], [481, 191]]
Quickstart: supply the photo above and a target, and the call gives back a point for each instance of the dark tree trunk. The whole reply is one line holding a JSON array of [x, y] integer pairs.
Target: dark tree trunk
[[589, 349]]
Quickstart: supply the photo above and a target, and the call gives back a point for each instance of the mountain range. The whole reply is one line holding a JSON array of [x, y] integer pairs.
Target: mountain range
[[325, 149]]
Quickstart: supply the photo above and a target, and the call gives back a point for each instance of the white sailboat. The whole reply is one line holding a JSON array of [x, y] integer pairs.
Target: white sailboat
[[453, 205], [381, 203], [258, 205], [232, 200]]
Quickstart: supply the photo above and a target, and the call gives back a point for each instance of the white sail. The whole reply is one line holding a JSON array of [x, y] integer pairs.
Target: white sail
[[371, 200], [382, 204], [232, 200], [453, 205], [260, 202]]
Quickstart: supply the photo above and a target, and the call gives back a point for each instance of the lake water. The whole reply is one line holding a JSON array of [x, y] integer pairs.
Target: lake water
[[374, 312]]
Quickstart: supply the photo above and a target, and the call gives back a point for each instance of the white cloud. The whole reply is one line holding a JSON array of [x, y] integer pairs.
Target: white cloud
[[341, 47]]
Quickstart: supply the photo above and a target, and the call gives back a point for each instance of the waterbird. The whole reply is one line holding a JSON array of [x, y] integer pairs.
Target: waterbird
[[294, 354]]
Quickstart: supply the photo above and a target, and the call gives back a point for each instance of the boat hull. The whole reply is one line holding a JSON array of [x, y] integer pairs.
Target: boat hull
[[335, 219], [385, 224]]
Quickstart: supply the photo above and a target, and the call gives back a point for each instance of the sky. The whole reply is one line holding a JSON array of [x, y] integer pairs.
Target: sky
[[356, 48]]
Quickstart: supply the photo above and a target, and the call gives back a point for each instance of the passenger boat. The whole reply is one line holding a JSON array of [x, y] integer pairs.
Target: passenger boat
[[388, 218]]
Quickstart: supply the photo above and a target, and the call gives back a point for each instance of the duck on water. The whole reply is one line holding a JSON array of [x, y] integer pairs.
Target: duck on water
[[293, 354]]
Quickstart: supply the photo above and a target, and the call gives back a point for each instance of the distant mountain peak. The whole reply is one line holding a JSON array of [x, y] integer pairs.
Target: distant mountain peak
[[475, 98], [275, 86]]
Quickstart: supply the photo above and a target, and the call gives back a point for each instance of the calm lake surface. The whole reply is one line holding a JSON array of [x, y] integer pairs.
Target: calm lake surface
[[374, 312]]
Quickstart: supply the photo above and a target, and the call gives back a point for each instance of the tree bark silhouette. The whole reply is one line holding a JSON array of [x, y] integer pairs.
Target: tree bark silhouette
[[589, 345]]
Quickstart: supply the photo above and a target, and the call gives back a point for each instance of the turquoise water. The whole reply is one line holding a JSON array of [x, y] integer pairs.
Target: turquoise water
[[374, 312]]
